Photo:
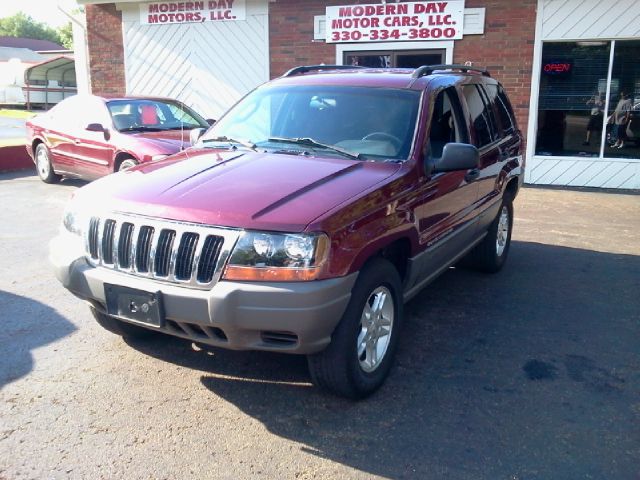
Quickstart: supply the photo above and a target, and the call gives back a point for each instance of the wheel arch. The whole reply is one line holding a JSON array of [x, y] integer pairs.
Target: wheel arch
[[34, 144], [396, 249], [512, 187], [120, 157]]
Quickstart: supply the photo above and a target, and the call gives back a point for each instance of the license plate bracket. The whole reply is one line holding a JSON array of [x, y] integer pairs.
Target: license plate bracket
[[134, 305]]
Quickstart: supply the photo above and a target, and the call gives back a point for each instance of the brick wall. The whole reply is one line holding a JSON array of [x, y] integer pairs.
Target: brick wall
[[106, 53], [506, 48]]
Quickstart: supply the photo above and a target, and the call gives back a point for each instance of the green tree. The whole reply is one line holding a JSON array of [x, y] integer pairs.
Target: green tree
[[65, 34], [21, 25]]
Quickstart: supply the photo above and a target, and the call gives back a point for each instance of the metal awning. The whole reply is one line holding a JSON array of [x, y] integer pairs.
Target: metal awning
[[54, 75]]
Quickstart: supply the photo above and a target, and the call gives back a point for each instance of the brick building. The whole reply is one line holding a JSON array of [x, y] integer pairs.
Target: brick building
[[564, 63]]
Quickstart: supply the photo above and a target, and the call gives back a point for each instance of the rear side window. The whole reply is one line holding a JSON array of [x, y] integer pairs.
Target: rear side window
[[502, 108], [480, 115]]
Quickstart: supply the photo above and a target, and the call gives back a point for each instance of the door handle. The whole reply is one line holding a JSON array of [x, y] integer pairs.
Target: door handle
[[472, 175]]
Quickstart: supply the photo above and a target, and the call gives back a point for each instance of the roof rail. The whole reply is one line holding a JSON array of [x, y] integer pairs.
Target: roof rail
[[318, 68], [429, 69]]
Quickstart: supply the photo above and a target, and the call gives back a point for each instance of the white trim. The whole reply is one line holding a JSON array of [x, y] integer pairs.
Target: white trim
[[603, 132], [447, 46], [536, 67], [472, 27], [586, 159], [319, 27]]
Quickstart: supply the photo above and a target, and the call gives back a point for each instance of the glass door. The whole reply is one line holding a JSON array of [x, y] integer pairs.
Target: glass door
[[394, 58]]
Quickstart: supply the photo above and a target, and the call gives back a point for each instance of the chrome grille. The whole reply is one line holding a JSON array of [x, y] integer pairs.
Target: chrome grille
[[143, 249], [124, 245], [210, 250], [189, 254]]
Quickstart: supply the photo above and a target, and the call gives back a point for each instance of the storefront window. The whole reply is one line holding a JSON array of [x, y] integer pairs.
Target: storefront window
[[573, 94], [623, 129], [573, 85]]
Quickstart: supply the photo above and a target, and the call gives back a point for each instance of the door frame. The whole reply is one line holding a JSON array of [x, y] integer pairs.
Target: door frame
[[446, 45], [394, 54]]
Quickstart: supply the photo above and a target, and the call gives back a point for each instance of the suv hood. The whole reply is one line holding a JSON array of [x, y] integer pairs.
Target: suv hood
[[244, 189]]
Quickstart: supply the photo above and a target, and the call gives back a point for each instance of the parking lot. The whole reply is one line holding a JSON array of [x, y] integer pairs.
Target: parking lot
[[532, 373]]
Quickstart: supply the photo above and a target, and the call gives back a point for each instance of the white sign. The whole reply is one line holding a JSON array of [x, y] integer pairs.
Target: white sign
[[161, 13], [387, 22]]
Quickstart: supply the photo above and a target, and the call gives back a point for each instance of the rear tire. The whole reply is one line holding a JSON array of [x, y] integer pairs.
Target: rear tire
[[363, 345], [43, 165], [124, 329], [491, 254]]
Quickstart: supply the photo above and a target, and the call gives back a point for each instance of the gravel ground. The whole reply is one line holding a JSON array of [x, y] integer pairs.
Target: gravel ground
[[533, 373]]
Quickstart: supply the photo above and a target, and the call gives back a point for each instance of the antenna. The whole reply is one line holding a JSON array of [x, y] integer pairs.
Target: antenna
[[182, 149]]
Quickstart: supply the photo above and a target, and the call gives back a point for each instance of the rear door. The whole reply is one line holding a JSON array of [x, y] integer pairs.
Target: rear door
[[508, 140], [486, 137]]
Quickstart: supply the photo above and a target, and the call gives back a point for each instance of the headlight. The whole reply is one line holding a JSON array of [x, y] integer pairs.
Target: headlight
[[75, 220], [278, 257]]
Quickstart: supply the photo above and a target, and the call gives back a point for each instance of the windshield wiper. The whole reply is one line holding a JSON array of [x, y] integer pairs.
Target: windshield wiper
[[310, 142], [141, 128], [186, 126], [233, 141]]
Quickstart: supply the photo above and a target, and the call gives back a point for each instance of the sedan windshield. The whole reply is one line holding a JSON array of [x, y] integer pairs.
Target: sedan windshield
[[353, 122], [146, 115]]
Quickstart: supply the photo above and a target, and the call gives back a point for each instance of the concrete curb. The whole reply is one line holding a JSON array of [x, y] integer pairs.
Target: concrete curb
[[14, 157]]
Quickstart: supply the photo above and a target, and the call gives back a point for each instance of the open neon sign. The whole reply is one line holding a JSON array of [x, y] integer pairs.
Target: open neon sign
[[556, 68]]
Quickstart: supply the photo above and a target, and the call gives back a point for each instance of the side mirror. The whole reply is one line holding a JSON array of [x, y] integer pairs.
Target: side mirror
[[211, 121], [95, 127], [195, 134], [457, 156]]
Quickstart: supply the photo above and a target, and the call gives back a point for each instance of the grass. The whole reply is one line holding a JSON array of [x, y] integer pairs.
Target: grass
[[10, 113]]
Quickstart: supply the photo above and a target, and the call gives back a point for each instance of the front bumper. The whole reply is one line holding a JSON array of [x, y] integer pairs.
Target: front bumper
[[292, 317]]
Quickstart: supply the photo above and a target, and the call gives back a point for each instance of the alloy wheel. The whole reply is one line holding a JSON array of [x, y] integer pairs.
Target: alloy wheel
[[376, 324], [42, 160], [503, 231]]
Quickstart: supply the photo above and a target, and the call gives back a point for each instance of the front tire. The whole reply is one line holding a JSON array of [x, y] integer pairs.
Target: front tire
[[363, 345], [43, 165], [124, 329], [491, 253], [126, 164]]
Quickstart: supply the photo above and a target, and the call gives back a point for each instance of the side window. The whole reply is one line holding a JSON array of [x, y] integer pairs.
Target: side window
[[502, 108], [480, 115], [445, 125], [79, 111]]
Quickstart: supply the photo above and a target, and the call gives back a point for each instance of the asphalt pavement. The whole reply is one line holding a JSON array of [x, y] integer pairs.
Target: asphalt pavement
[[531, 373]]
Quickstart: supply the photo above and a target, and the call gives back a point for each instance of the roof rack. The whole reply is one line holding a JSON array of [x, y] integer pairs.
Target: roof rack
[[318, 68], [429, 69]]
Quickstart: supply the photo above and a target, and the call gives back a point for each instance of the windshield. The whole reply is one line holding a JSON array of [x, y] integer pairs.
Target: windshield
[[153, 115], [363, 122]]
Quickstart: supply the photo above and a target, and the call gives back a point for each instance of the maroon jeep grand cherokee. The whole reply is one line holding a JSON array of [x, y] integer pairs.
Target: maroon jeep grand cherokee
[[304, 219]]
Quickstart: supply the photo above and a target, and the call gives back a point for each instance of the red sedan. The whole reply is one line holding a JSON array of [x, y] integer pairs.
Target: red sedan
[[87, 137]]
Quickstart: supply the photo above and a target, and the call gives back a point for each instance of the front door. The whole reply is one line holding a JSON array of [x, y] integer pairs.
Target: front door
[[444, 209], [394, 58]]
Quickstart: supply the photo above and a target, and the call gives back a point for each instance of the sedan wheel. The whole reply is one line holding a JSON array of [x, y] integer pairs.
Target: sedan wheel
[[43, 165]]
